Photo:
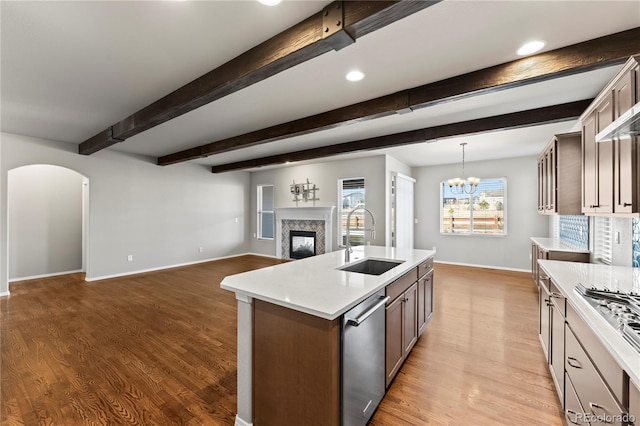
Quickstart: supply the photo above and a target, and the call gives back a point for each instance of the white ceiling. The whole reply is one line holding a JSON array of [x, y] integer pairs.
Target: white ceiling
[[71, 69]]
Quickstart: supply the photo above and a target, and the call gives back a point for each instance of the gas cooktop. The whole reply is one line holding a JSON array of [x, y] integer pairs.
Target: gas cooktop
[[620, 309]]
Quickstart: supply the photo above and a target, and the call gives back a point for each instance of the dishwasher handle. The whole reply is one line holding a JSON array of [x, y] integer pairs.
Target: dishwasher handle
[[362, 318]]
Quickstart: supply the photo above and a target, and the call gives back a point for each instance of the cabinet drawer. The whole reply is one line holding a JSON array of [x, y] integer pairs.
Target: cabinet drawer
[[425, 267], [634, 403], [401, 285], [607, 367], [590, 389], [573, 410]]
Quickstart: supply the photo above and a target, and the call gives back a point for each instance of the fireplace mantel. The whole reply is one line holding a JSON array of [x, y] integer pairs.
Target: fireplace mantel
[[305, 213]]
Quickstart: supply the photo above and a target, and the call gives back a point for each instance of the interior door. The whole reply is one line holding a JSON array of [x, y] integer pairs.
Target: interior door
[[402, 210]]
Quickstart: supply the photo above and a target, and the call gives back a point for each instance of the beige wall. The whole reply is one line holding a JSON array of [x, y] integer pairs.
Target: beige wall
[[160, 215]]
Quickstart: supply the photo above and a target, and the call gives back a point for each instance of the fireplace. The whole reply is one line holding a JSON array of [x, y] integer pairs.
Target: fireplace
[[302, 244], [318, 220]]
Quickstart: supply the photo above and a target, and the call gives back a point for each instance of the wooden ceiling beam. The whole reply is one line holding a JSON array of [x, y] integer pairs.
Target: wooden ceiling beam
[[336, 26], [586, 56], [538, 116]]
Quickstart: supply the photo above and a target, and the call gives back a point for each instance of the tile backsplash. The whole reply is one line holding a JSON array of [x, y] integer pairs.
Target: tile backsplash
[[574, 230]]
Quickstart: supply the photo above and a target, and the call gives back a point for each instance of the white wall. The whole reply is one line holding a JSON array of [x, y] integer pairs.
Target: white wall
[[325, 176], [523, 220], [45, 221], [160, 215]]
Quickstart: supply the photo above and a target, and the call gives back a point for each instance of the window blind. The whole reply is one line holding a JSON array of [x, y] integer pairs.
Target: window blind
[[603, 236]]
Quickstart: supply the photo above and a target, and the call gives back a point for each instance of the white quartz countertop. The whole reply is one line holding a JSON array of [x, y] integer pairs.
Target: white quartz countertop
[[315, 286], [556, 244], [566, 275]]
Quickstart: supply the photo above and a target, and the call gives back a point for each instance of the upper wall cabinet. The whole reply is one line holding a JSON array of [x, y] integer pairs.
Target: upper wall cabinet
[[559, 171], [610, 168]]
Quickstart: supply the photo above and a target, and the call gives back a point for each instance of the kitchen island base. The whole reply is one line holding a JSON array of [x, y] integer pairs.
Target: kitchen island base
[[296, 367]]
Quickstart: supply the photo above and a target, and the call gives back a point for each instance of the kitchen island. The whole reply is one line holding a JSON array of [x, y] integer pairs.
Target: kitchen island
[[289, 318]]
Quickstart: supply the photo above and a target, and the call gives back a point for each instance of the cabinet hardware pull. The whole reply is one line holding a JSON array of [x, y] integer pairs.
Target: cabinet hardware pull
[[606, 415], [556, 295], [577, 363], [627, 204], [357, 321], [575, 417]]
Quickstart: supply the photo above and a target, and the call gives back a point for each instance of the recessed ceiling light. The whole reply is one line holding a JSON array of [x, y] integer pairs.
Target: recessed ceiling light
[[355, 75], [270, 2], [531, 47]]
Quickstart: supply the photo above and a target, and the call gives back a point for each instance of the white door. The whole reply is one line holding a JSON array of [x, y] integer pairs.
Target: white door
[[402, 205]]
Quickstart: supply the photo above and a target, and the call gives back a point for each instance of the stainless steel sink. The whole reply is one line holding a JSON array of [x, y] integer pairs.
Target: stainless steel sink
[[372, 266]]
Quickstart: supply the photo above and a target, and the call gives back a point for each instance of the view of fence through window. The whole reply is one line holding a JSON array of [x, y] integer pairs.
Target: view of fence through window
[[480, 213], [351, 196]]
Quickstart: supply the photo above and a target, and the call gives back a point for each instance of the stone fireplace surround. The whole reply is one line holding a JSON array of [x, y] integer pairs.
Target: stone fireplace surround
[[318, 219]]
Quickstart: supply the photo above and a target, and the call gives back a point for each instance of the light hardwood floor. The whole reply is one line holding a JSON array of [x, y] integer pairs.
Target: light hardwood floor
[[160, 348]]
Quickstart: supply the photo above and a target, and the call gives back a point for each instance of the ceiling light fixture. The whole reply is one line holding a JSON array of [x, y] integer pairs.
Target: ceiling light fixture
[[270, 2], [459, 185], [531, 47], [355, 75]]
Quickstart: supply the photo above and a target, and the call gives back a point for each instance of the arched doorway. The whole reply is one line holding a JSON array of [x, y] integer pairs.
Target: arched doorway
[[47, 221]]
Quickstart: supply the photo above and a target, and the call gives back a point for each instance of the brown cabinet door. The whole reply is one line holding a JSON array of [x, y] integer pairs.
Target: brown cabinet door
[[625, 176], [541, 184], [556, 354], [604, 158], [589, 173], [534, 263], [543, 323], [625, 161], [428, 297], [425, 301], [410, 321], [422, 301], [550, 207], [394, 347]]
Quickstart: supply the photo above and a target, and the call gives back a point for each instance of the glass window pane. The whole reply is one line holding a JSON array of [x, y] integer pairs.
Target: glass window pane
[[480, 213], [267, 198], [351, 195], [267, 225]]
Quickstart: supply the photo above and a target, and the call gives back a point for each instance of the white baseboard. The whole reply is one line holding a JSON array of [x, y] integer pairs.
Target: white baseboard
[[4, 293], [262, 255], [240, 422], [34, 277], [502, 268], [160, 268]]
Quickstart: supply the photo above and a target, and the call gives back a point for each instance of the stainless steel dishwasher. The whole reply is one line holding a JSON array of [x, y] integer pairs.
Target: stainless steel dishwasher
[[363, 359]]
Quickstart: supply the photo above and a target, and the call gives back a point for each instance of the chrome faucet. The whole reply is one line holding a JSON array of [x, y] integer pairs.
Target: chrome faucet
[[372, 229]]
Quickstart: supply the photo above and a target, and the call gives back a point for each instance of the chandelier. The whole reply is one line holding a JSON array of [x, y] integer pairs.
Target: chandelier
[[462, 185]]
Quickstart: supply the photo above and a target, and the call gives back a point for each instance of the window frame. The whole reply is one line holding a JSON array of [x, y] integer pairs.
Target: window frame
[[471, 233], [261, 211]]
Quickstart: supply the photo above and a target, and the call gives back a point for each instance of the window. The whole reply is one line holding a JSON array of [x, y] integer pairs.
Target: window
[[602, 240], [351, 195], [265, 212], [481, 213]]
